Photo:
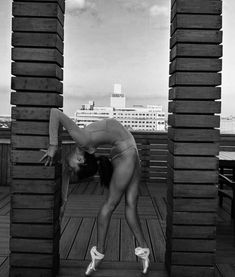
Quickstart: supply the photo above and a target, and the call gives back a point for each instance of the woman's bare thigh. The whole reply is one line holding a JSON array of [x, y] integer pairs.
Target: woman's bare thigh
[[131, 194], [123, 170]]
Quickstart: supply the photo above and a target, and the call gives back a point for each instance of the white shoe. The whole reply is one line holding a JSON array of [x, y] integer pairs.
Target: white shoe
[[95, 255], [143, 253]]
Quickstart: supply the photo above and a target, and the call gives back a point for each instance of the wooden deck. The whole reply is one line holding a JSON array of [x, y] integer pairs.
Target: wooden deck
[[4, 230], [78, 233]]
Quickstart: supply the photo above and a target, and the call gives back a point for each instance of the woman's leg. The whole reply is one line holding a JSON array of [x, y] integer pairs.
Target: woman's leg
[[122, 174], [131, 198]]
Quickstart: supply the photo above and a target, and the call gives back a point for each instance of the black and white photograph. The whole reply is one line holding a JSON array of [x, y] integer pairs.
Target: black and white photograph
[[117, 138]]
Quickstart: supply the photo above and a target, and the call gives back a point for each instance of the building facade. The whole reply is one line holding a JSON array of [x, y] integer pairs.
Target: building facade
[[137, 118], [118, 99]]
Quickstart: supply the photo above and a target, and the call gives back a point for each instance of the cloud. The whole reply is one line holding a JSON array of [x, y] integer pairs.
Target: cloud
[[79, 7], [134, 5], [76, 7], [157, 10], [76, 4], [153, 7]]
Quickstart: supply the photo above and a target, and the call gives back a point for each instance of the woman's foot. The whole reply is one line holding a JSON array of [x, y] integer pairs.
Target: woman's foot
[[143, 253], [96, 260]]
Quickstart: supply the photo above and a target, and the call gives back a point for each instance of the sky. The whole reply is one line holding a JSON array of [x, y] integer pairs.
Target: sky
[[117, 41]]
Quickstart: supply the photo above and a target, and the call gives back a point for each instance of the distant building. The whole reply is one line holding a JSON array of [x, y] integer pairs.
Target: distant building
[[83, 117], [5, 121], [118, 99], [150, 118], [145, 119], [227, 125]]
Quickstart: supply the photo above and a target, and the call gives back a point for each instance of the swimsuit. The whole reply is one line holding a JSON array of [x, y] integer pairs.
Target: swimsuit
[[122, 147]]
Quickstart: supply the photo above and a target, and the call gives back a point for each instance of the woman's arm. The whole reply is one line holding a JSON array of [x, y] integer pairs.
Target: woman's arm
[[57, 117]]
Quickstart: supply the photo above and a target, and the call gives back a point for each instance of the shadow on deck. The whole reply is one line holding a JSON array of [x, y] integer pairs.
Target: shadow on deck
[[78, 233]]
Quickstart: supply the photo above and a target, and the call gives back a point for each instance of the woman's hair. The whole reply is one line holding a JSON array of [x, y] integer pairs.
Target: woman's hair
[[93, 164]]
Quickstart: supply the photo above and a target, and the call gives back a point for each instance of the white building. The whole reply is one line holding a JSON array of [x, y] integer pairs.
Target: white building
[[227, 125], [84, 117], [145, 119], [138, 118], [118, 99], [5, 121]]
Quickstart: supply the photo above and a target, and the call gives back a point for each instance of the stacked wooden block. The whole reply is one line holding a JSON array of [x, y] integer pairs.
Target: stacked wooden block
[[193, 136], [37, 55]]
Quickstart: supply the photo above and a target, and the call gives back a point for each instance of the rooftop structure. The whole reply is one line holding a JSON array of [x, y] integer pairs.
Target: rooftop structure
[[118, 99]]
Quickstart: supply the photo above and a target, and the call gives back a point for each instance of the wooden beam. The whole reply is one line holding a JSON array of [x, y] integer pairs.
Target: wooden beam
[[197, 21], [196, 36], [195, 65], [196, 50], [37, 54], [195, 107], [37, 69], [36, 84], [42, 25], [194, 93], [37, 40], [29, 99]]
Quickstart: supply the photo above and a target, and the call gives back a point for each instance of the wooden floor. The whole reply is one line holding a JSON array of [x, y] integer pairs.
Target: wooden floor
[[4, 230], [225, 243], [78, 234]]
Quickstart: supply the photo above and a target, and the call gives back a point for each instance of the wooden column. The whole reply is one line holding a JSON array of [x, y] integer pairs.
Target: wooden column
[[37, 55], [193, 136]]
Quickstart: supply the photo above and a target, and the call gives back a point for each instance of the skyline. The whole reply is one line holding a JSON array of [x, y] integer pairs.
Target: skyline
[[117, 41]]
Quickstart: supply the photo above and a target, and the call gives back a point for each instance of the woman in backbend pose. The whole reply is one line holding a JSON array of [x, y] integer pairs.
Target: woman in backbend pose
[[122, 175]]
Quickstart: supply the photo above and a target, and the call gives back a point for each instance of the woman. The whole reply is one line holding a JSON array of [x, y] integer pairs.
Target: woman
[[122, 175]]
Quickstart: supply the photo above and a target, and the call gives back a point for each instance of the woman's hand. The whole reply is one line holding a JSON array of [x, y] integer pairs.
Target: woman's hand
[[49, 154]]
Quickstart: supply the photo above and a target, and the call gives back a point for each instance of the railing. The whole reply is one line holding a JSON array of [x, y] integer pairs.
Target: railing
[[152, 149]]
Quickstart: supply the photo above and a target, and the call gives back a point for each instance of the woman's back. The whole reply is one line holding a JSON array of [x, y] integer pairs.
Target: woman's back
[[107, 131]]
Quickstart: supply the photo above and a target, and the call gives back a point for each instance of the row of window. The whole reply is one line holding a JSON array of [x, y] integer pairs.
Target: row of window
[[137, 114]]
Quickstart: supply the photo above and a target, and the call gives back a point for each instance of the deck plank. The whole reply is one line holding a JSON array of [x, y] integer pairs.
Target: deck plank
[[98, 189], [127, 252], [79, 247], [89, 205], [90, 188], [93, 240], [4, 266], [80, 188], [68, 236], [143, 189], [148, 239], [158, 239], [113, 241], [160, 205], [226, 270], [70, 268], [71, 188], [64, 222], [4, 201], [4, 235]]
